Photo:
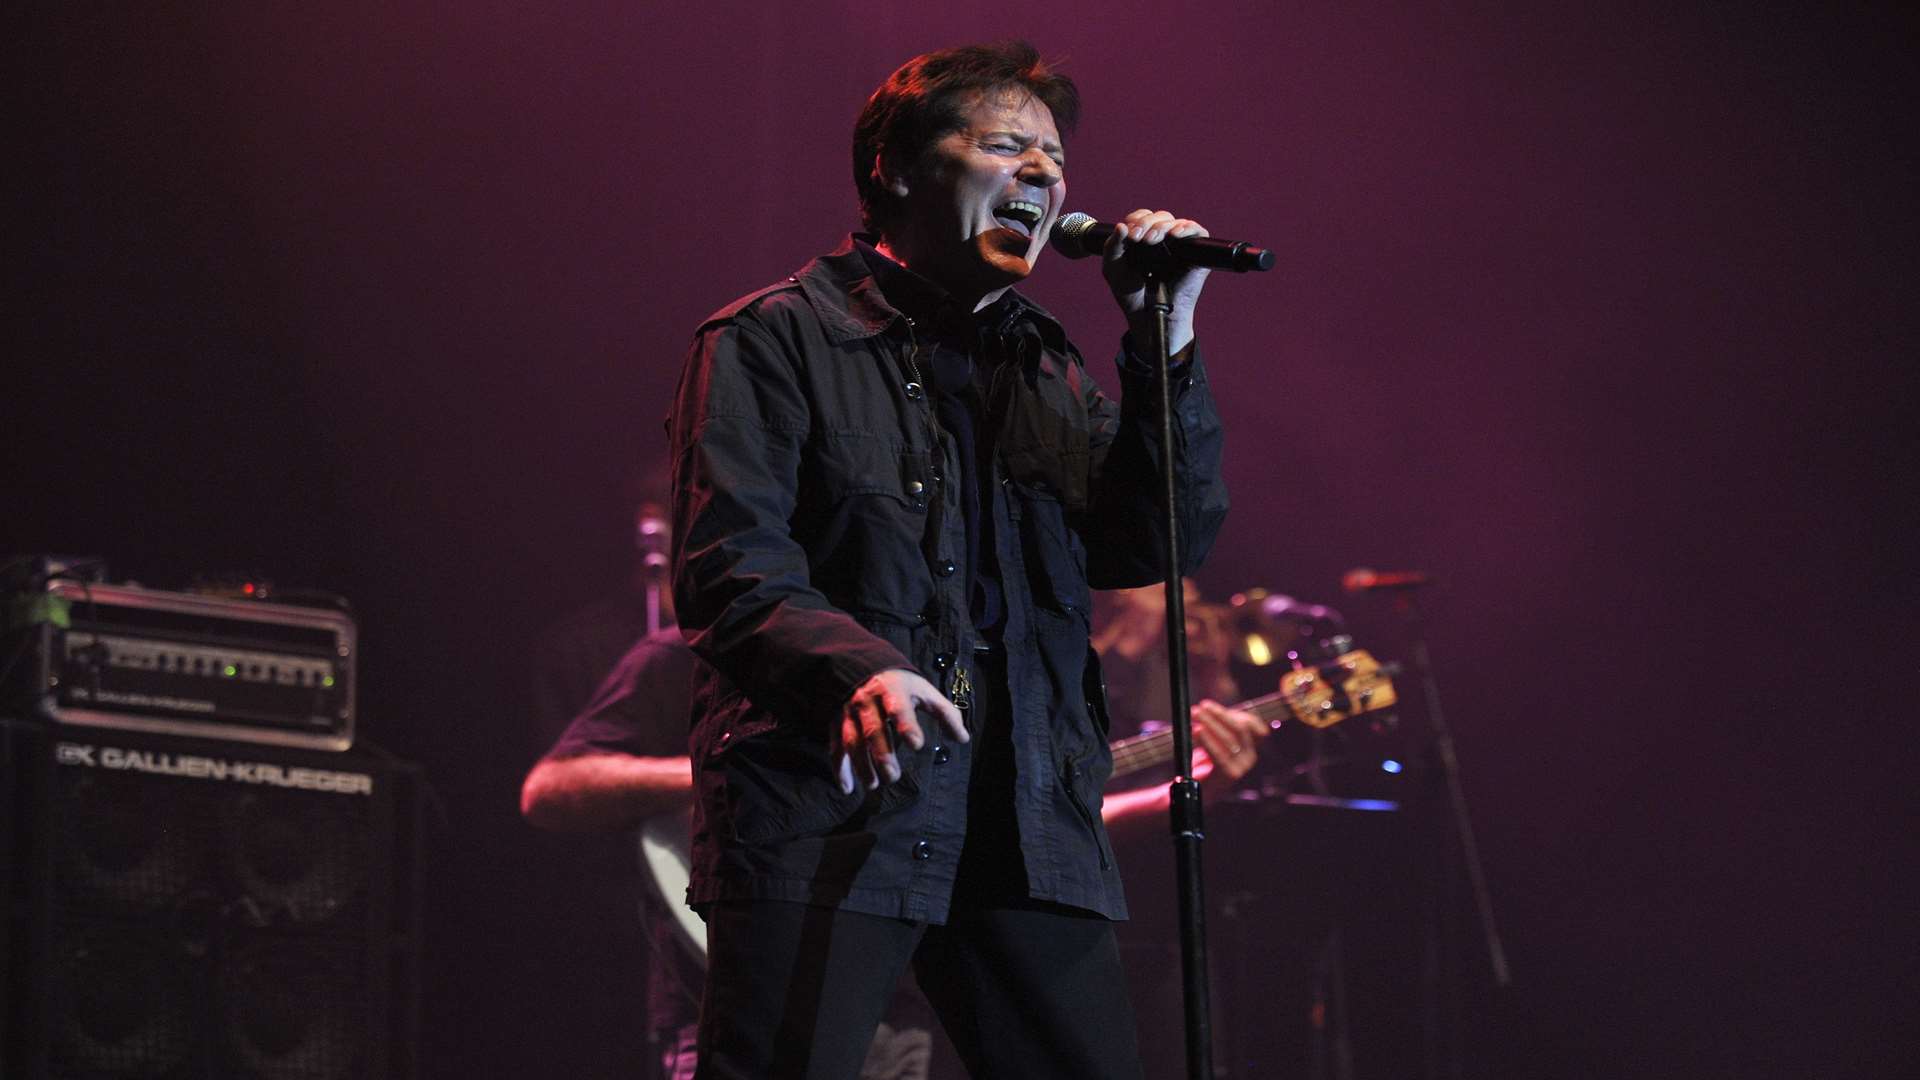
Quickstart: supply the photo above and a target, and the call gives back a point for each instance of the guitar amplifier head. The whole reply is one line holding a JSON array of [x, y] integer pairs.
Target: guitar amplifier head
[[119, 656]]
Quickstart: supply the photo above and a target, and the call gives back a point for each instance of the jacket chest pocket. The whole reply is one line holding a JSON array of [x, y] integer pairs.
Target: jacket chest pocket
[[864, 535], [1056, 560], [1043, 435]]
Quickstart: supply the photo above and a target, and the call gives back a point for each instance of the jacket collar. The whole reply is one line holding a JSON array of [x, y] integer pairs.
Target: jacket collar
[[850, 306]]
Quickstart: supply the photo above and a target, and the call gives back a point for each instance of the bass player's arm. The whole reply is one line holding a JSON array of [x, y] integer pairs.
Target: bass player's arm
[[597, 792]]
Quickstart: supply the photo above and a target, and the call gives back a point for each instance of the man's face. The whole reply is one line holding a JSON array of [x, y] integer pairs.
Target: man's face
[[982, 200]]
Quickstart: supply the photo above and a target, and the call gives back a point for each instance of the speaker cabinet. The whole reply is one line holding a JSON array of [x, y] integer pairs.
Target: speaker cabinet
[[180, 908]]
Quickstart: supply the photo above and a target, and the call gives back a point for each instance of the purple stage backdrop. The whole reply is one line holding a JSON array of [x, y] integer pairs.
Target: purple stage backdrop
[[1600, 315]]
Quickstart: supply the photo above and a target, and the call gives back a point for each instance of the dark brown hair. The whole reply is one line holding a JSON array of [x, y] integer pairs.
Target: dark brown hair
[[923, 101]]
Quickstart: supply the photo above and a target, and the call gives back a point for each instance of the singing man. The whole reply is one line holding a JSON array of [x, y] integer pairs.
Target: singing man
[[895, 480]]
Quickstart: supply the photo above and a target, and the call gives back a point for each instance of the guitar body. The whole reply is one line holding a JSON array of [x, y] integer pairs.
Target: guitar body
[[665, 846]]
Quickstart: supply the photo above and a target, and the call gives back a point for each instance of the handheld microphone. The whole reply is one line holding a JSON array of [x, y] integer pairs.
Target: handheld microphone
[[1077, 236]]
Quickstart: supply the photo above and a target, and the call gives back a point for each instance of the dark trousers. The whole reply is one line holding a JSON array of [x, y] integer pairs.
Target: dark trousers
[[1024, 988], [796, 991]]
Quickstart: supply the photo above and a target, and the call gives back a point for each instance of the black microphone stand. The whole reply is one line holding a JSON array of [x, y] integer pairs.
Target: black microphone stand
[[650, 537], [1184, 793], [1469, 854]]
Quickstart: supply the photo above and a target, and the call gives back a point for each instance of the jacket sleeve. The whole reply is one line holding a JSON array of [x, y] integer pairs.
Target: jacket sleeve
[[741, 584], [1123, 528]]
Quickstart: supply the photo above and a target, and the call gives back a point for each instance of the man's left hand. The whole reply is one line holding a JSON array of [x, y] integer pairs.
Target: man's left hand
[[1148, 227], [1230, 739]]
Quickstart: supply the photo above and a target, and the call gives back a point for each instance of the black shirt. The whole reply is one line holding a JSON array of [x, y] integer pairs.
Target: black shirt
[[958, 351]]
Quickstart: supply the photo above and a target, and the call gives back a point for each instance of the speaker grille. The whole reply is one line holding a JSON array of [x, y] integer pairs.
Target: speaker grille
[[299, 858], [124, 1001], [179, 922], [294, 1009], [132, 845]]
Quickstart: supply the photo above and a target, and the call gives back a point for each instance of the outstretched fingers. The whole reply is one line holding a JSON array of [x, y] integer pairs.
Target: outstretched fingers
[[951, 719], [881, 714]]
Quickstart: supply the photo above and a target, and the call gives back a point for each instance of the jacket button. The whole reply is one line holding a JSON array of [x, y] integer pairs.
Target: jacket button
[[943, 661], [941, 755], [946, 568], [915, 487], [922, 850], [914, 393], [919, 618]]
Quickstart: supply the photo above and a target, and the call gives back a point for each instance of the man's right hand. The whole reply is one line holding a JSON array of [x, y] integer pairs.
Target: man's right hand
[[883, 708]]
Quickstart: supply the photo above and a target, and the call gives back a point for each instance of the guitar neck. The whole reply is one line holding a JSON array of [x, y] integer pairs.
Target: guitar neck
[[1141, 752], [1319, 697]]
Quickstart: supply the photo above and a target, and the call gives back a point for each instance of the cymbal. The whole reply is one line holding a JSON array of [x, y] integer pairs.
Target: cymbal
[[1269, 627]]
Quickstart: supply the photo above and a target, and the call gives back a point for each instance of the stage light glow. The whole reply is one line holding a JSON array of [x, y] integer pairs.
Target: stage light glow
[[1259, 653], [1390, 766]]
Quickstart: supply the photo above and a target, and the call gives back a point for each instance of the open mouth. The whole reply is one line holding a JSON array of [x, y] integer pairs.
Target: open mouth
[[1019, 215]]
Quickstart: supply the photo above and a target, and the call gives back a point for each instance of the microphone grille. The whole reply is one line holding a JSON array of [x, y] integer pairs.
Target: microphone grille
[[1069, 235]]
